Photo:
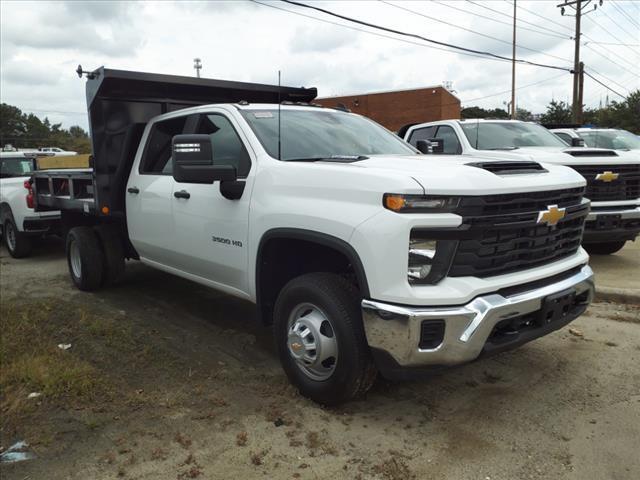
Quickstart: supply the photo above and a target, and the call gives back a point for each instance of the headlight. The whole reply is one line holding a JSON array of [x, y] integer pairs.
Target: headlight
[[419, 203], [429, 260]]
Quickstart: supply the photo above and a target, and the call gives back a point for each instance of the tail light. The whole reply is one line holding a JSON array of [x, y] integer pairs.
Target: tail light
[[27, 185]]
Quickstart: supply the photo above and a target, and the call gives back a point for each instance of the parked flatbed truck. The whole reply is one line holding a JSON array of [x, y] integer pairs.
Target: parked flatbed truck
[[364, 254]]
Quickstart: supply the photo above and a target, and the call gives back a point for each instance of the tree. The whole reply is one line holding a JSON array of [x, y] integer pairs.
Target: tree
[[557, 112], [524, 115], [479, 112], [28, 131]]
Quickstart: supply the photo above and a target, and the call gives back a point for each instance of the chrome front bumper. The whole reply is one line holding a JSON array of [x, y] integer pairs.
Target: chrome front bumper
[[396, 330]]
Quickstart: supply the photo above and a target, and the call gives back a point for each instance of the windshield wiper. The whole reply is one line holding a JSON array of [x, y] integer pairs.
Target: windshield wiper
[[332, 158]]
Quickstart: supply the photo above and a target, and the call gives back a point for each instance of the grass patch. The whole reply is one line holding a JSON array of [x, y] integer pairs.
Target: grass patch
[[30, 360]]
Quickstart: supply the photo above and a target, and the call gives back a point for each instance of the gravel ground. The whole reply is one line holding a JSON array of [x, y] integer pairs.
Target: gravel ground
[[200, 394]]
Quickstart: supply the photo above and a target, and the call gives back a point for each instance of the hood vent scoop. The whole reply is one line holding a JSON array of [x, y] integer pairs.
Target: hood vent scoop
[[585, 152], [509, 168]]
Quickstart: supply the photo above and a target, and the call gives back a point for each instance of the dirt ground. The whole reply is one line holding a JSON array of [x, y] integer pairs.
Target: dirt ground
[[166, 379]]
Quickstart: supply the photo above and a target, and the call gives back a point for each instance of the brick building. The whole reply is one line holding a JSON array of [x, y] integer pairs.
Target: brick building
[[399, 108]]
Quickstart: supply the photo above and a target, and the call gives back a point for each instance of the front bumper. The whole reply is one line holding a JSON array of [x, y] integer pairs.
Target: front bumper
[[609, 224], [484, 325]]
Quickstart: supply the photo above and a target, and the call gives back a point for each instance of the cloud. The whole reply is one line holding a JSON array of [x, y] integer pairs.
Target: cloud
[[321, 39]]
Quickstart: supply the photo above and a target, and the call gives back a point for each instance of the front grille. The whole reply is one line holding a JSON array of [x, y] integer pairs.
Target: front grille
[[503, 235], [625, 187]]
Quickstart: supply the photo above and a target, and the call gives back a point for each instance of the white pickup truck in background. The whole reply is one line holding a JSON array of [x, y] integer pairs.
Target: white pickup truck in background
[[613, 178], [18, 222], [364, 254], [56, 151], [612, 138]]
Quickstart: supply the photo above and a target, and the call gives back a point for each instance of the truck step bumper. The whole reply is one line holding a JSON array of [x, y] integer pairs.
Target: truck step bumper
[[406, 337]]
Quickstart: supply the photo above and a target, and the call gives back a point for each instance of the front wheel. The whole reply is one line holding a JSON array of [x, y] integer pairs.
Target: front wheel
[[84, 258], [321, 340], [18, 243], [606, 248]]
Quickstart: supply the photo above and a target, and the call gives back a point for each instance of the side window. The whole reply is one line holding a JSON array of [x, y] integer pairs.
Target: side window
[[228, 149], [450, 140], [156, 159], [564, 137], [421, 134]]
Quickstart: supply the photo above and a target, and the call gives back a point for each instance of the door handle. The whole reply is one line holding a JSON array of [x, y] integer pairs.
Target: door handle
[[182, 194], [133, 190]]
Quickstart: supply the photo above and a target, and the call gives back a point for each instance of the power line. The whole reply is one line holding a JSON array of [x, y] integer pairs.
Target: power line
[[608, 79], [377, 34], [522, 47], [555, 32], [540, 16], [604, 85], [625, 14], [614, 44], [609, 32], [616, 23], [622, 67], [561, 36], [413, 35], [517, 88]]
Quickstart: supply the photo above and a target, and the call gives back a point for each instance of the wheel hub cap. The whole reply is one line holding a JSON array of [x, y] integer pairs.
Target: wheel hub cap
[[312, 342]]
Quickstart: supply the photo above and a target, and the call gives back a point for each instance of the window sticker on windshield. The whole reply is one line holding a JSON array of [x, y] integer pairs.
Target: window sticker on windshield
[[263, 114]]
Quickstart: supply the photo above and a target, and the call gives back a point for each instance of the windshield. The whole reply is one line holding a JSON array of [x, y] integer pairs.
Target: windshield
[[614, 139], [16, 167], [508, 135], [320, 134]]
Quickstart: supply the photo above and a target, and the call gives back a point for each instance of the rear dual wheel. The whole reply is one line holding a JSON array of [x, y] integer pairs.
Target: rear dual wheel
[[95, 256]]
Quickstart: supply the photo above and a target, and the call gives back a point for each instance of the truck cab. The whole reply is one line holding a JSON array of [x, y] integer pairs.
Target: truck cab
[[613, 177], [365, 255]]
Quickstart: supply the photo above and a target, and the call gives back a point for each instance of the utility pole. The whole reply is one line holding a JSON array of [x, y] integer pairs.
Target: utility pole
[[197, 64], [513, 66], [580, 91], [579, 6]]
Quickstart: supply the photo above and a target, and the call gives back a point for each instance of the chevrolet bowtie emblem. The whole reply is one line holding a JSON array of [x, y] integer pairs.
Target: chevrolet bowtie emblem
[[607, 176], [551, 216]]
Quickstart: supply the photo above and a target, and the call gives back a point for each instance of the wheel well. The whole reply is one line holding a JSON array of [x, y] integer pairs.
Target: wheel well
[[285, 255], [5, 211]]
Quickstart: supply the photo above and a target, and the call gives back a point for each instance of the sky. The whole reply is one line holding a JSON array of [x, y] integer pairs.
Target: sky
[[42, 43]]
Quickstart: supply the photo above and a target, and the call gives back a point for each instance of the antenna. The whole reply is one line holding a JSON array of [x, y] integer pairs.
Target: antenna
[[279, 117]]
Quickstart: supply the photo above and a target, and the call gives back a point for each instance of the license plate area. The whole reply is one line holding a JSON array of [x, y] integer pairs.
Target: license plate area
[[557, 306], [607, 222]]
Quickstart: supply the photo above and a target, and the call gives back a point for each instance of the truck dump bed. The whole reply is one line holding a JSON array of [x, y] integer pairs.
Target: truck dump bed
[[120, 103]]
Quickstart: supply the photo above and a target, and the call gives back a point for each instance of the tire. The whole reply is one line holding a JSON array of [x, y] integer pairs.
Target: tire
[[18, 243], [348, 374], [606, 248], [84, 258], [113, 254]]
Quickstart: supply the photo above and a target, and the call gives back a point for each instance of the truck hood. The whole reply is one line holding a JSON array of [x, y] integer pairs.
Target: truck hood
[[452, 175], [563, 156]]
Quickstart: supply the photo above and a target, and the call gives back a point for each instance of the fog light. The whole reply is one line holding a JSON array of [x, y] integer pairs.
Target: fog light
[[421, 255]]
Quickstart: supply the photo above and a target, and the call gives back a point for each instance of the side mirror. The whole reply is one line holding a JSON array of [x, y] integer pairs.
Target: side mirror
[[437, 145], [577, 142], [193, 161], [424, 146]]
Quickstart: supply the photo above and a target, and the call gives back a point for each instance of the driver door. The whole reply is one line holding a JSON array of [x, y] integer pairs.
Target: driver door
[[211, 231]]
